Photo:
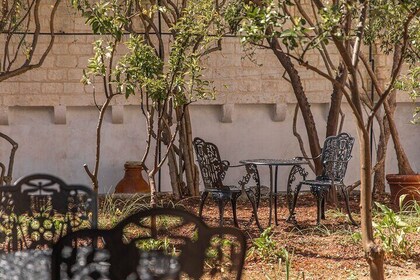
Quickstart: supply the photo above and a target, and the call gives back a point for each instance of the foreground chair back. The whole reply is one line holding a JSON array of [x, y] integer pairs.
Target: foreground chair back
[[152, 244], [335, 156], [213, 172], [41, 208], [6, 172]]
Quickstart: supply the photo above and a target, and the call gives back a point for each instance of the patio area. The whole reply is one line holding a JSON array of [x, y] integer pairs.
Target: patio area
[[329, 251], [197, 139]]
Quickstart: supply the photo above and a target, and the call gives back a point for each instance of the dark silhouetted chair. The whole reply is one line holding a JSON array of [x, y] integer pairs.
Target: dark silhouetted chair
[[335, 156], [6, 172], [213, 172], [159, 243], [39, 209]]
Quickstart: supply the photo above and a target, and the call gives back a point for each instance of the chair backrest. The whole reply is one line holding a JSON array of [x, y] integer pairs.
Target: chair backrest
[[335, 156], [6, 172], [213, 169], [84, 254], [154, 243], [39, 209], [174, 230]]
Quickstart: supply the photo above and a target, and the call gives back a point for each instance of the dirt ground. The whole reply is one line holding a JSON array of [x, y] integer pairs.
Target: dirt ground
[[328, 251]]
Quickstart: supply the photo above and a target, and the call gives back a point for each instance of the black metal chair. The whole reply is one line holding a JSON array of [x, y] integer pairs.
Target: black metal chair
[[158, 243], [39, 209], [213, 172], [6, 172], [335, 156]]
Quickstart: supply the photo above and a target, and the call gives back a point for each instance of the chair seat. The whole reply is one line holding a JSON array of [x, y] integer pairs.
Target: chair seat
[[322, 183], [226, 189]]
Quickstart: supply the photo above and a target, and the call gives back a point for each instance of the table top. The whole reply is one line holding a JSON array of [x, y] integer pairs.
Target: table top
[[292, 161]]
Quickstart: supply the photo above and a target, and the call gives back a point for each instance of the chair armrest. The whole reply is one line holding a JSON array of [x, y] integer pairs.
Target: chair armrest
[[238, 165], [307, 158]]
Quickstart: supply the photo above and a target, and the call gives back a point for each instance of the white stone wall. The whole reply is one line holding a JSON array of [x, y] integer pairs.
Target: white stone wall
[[62, 149], [52, 115]]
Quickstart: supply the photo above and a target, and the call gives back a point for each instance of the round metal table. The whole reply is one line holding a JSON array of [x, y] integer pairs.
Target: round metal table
[[296, 164]]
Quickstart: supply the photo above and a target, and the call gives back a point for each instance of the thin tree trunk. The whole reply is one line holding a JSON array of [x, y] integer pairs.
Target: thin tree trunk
[[302, 100], [187, 149], [373, 253], [173, 174], [335, 106], [404, 167], [379, 176], [390, 105], [333, 120], [153, 192]]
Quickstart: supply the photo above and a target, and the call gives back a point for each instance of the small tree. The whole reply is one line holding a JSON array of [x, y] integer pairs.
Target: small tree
[[165, 87]]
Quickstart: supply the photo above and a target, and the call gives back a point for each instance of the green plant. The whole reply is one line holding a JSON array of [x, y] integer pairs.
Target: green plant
[[284, 258], [156, 244], [114, 209], [265, 245], [287, 258], [392, 230], [356, 237]]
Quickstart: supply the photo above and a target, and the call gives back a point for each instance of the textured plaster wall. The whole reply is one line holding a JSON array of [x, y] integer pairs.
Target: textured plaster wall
[[52, 116], [63, 149]]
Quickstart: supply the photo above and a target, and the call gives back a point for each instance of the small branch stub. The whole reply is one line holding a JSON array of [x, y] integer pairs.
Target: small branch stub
[[227, 113], [4, 115], [117, 112], [60, 114], [280, 112]]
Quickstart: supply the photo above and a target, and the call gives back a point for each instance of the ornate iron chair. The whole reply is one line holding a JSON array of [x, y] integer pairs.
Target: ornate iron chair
[[152, 244], [40, 208], [6, 176], [335, 156], [213, 172]]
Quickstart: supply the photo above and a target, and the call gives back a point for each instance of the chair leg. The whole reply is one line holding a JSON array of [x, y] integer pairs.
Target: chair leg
[[233, 202], [318, 208], [323, 208], [221, 205], [295, 197], [202, 200], [346, 199], [254, 208]]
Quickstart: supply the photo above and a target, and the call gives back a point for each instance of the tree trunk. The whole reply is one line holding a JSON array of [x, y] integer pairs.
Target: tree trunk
[[187, 153], [304, 105], [379, 177], [404, 167], [333, 120], [173, 173], [373, 253], [335, 106], [153, 192]]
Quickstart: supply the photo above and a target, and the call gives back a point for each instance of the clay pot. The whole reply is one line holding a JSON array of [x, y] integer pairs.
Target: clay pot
[[133, 181], [404, 184]]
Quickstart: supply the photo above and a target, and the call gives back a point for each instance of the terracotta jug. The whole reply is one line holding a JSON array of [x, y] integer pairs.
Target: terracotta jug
[[133, 181]]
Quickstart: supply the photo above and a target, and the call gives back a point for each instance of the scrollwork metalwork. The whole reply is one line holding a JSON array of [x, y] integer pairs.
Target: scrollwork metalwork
[[213, 172], [335, 156], [155, 244], [292, 194], [41, 208]]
